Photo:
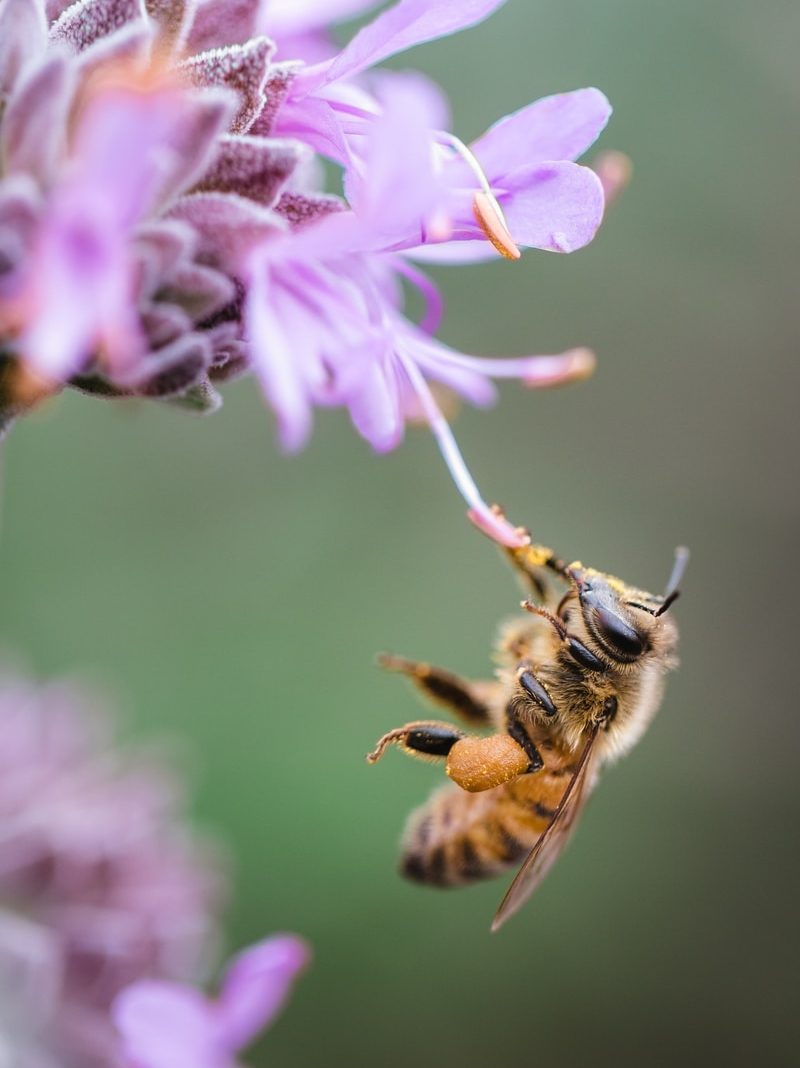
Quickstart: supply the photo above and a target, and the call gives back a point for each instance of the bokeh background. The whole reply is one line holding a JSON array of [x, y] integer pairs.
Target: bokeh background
[[236, 598]]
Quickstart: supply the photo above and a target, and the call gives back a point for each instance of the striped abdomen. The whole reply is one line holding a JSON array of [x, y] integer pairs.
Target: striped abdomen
[[458, 837]]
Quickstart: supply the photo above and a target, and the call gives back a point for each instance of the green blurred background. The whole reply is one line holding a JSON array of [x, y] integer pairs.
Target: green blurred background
[[236, 598]]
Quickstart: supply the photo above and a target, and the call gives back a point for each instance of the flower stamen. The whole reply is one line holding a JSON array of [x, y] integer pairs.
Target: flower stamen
[[485, 205], [487, 518]]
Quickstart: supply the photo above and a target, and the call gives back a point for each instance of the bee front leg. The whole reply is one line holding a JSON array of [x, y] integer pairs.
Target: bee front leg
[[425, 740], [518, 734], [533, 562]]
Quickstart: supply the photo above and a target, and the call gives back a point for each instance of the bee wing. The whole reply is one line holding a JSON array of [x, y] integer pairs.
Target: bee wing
[[551, 841]]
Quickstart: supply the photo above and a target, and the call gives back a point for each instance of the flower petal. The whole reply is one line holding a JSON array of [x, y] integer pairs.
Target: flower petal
[[396, 193], [374, 404], [255, 987], [274, 364], [165, 1024], [32, 132], [556, 206], [23, 36], [553, 128], [288, 16], [408, 23]]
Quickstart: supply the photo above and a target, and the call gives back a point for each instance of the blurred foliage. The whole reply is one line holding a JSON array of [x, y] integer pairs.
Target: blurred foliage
[[237, 598]]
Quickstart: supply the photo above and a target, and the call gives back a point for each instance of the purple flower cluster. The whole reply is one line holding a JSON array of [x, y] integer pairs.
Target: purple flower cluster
[[107, 904], [163, 225], [100, 882]]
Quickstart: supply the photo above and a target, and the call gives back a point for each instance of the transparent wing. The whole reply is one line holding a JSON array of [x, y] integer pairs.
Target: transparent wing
[[551, 841]]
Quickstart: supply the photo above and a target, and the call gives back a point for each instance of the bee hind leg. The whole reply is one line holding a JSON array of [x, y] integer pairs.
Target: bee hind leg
[[469, 700], [478, 764], [425, 740]]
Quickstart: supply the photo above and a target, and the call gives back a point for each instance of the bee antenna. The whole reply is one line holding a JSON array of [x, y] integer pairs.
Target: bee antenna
[[554, 621], [671, 593], [668, 602], [678, 570]]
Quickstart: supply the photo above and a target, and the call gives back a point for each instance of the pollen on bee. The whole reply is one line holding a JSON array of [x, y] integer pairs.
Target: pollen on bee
[[490, 219], [477, 764]]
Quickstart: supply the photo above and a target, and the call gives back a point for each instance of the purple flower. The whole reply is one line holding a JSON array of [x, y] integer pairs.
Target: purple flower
[[325, 312], [100, 881], [162, 225], [163, 1025]]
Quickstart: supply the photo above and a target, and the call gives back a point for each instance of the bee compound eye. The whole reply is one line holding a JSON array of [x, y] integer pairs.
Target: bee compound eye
[[618, 634]]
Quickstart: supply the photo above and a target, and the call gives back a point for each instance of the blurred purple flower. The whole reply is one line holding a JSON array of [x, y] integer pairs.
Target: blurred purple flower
[[100, 881], [162, 225], [165, 1025]]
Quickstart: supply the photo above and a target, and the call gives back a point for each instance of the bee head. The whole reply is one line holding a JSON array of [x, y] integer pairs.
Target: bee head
[[626, 624], [610, 624]]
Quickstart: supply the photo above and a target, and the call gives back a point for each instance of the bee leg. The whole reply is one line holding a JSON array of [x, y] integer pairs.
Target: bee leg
[[466, 699], [516, 729], [426, 740], [532, 562]]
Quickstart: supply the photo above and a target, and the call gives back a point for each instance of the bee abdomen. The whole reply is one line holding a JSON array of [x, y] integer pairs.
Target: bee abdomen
[[458, 838]]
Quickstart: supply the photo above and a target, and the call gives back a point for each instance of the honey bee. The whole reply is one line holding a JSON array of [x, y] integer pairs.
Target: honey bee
[[578, 679]]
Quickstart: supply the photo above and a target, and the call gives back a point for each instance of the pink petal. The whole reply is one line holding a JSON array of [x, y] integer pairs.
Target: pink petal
[[23, 37], [79, 294], [297, 16], [396, 193], [553, 128], [407, 23], [375, 404], [255, 987], [273, 356], [431, 98], [555, 206], [127, 146], [313, 47], [193, 140], [163, 1025], [454, 252], [32, 132]]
